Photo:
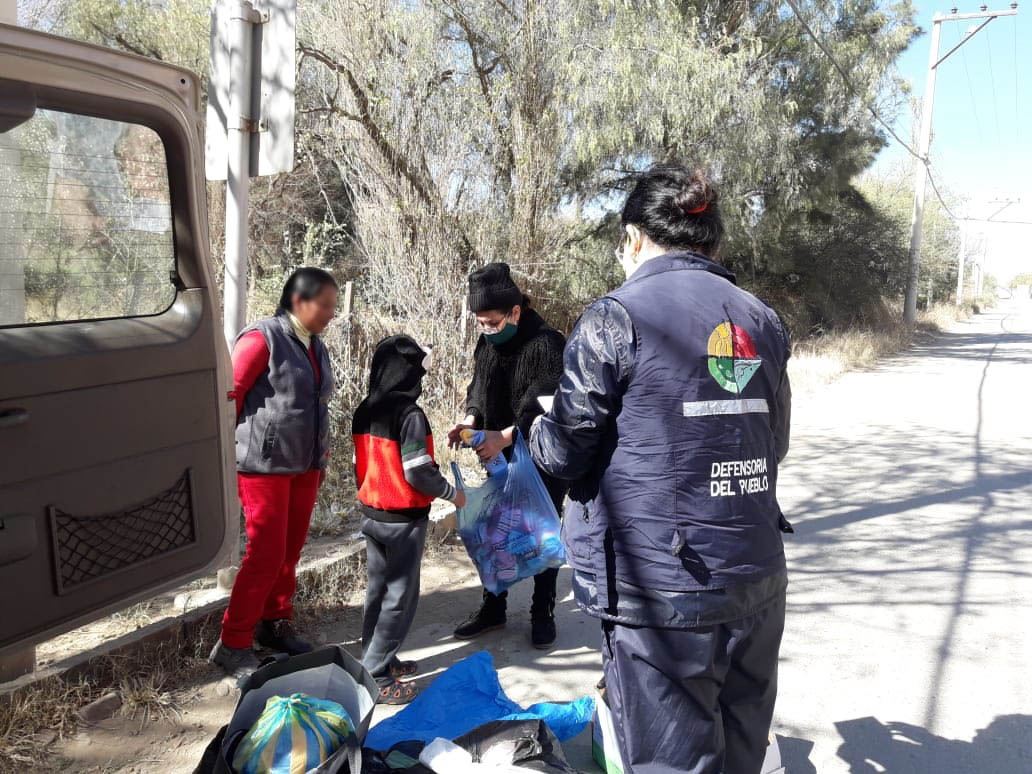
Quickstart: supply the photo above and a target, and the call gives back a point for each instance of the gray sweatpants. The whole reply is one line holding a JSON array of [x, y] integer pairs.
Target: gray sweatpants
[[393, 555]]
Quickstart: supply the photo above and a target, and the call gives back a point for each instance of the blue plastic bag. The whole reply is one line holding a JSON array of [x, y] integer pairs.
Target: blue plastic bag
[[466, 696], [510, 526]]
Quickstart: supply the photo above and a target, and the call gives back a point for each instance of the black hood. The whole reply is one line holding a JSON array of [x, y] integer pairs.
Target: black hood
[[397, 371]]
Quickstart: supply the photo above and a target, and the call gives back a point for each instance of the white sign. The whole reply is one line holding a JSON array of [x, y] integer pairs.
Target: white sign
[[273, 77]]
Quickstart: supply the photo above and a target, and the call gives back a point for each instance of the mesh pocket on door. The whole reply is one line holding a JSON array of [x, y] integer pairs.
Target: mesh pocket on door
[[87, 548]]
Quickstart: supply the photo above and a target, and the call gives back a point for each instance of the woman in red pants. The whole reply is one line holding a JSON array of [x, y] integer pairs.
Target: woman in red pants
[[282, 382]]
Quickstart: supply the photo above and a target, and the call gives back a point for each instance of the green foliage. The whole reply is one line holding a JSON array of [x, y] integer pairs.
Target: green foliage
[[892, 194], [834, 265], [1020, 280], [437, 135], [174, 31]]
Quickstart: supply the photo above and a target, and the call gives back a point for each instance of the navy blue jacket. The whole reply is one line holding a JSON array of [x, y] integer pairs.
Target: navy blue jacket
[[670, 419]]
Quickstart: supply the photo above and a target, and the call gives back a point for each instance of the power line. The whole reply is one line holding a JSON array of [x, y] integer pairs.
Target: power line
[[845, 77], [971, 91], [992, 82], [938, 195], [849, 84]]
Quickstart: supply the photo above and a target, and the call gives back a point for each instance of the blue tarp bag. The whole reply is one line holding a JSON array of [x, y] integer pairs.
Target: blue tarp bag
[[466, 696], [509, 526]]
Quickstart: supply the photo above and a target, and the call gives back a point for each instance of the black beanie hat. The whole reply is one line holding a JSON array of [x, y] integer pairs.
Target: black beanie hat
[[492, 288]]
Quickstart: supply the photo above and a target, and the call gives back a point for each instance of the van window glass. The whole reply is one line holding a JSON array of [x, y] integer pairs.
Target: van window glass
[[85, 221]]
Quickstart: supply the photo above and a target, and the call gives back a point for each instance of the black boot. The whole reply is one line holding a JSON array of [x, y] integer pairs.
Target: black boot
[[489, 617], [237, 663], [542, 610], [280, 635]]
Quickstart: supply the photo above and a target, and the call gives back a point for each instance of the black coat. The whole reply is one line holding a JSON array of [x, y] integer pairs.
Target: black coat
[[508, 380]]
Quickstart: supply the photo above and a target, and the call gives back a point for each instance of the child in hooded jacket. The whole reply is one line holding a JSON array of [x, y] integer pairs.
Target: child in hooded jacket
[[397, 479]]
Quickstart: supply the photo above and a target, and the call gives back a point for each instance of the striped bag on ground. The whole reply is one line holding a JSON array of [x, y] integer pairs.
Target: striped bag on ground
[[292, 736]]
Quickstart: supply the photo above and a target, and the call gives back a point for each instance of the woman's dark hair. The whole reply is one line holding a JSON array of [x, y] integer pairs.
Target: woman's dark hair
[[307, 282], [677, 208]]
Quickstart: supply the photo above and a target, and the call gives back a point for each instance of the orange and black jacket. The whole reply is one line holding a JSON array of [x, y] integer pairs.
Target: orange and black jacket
[[395, 469]]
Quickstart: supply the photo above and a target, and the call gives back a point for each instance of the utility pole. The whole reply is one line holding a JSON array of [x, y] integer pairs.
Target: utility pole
[[925, 141], [249, 131], [960, 264], [963, 243], [980, 281]]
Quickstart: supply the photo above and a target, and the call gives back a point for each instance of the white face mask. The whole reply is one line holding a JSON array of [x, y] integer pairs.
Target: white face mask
[[428, 359]]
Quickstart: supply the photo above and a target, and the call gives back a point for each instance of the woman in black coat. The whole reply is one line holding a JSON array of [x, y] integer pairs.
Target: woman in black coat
[[518, 359]]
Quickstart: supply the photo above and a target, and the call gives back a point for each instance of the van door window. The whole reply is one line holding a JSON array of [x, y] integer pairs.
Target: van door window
[[85, 221]]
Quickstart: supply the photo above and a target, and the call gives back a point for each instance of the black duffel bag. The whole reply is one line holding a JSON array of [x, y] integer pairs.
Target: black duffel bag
[[328, 673]]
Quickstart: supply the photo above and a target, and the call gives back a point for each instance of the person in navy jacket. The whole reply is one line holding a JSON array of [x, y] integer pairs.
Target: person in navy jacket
[[670, 420]]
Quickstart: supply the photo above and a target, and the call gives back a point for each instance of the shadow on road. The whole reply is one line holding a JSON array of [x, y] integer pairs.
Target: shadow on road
[[795, 755], [910, 508], [870, 746]]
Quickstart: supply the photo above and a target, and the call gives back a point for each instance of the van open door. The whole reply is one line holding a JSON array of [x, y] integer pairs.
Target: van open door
[[116, 453]]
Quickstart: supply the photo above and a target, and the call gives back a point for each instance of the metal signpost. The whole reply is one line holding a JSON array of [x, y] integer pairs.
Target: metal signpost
[[250, 123]]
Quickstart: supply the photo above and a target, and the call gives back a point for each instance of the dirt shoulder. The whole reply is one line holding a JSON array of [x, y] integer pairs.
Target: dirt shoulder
[[170, 735]]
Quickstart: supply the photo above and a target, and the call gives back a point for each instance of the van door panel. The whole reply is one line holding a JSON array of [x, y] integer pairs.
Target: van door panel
[[116, 435]]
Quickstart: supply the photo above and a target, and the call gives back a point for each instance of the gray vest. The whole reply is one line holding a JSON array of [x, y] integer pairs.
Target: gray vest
[[284, 426]]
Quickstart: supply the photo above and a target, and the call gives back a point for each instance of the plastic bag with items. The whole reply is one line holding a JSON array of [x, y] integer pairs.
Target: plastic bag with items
[[510, 526], [293, 735]]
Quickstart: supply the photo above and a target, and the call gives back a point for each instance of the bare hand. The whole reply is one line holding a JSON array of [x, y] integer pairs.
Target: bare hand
[[459, 501], [454, 440], [494, 443]]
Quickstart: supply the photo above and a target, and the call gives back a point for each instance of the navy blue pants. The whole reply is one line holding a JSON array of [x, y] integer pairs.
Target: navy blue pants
[[694, 701]]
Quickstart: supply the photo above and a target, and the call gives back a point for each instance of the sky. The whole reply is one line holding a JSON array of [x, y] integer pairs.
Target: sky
[[982, 128]]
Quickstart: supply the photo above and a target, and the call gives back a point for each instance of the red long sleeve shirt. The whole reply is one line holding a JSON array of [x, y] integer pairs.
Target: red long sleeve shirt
[[250, 360]]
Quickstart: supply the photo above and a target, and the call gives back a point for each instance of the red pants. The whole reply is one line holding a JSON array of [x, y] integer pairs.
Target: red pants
[[277, 510]]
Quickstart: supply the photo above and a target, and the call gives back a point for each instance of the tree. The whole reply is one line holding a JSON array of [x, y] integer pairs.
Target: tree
[[1020, 280], [483, 129], [892, 194]]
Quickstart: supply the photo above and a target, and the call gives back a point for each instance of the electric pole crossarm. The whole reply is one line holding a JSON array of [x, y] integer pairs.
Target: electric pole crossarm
[[967, 16], [965, 40], [962, 16]]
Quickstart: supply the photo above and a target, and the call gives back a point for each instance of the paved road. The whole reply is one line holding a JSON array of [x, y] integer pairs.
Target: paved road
[[909, 639]]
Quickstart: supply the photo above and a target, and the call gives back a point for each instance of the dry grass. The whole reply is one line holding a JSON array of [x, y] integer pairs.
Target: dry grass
[[32, 720], [147, 696], [824, 357], [138, 616], [941, 317]]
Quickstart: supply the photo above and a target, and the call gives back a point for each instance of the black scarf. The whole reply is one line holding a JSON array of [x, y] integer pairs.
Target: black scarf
[[504, 376]]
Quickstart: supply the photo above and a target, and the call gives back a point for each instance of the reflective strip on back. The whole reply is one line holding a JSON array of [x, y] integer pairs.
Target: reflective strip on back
[[711, 408]]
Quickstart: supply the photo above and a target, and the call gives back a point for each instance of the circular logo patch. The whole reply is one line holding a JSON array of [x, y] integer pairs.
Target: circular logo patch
[[732, 357]]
